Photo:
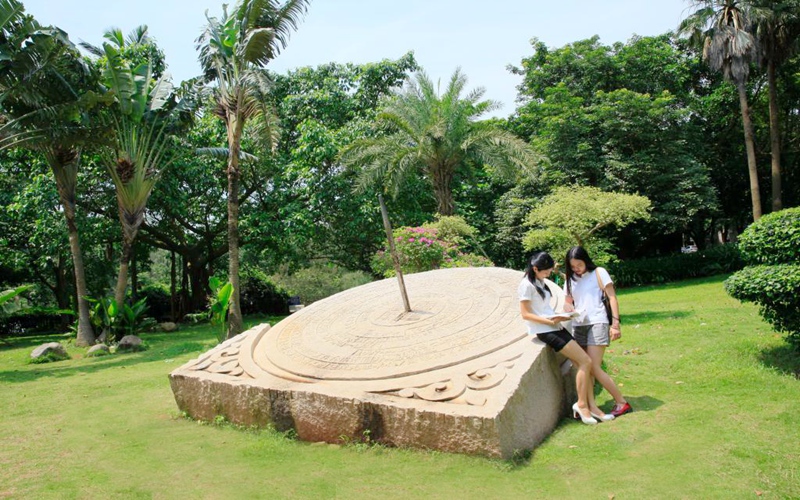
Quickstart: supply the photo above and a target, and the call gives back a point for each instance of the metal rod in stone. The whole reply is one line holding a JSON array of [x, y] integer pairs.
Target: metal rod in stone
[[395, 259]]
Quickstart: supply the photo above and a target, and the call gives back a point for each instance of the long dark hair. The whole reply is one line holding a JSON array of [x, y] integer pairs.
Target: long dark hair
[[541, 261], [577, 253]]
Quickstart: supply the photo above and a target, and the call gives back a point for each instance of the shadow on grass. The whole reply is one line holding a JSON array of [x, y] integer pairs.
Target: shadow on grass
[[652, 316], [159, 350], [162, 346], [644, 403], [521, 459], [784, 358]]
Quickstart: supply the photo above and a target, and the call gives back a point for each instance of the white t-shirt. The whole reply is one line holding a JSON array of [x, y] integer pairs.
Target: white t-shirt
[[538, 305], [588, 297]]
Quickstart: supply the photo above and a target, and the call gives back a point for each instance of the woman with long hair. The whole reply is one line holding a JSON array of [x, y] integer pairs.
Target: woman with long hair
[[585, 285], [544, 322]]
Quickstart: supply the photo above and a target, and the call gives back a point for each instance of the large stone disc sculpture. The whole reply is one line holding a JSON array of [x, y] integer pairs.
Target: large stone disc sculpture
[[458, 373]]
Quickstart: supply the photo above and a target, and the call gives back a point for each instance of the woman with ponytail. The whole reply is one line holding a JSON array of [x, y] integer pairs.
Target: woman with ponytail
[[544, 322]]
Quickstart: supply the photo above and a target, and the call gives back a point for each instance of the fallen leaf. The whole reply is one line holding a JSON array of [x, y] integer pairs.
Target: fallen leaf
[[572, 447], [678, 382], [759, 493]]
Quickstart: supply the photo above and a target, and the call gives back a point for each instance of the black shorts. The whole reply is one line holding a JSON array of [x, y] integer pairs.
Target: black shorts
[[556, 339]]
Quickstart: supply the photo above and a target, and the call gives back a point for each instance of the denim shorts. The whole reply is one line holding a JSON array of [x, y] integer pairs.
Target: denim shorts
[[596, 334]]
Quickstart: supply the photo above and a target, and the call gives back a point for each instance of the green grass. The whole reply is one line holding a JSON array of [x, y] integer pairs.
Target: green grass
[[715, 390]]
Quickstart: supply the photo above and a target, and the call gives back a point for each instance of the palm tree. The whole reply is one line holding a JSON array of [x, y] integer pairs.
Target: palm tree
[[144, 111], [723, 28], [43, 82], [434, 135], [233, 52], [777, 26]]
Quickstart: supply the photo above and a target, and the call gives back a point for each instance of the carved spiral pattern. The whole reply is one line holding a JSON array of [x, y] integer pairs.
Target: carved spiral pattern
[[464, 389], [223, 360]]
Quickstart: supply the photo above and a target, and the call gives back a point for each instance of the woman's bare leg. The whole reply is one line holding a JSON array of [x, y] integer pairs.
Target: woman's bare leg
[[583, 362], [596, 353]]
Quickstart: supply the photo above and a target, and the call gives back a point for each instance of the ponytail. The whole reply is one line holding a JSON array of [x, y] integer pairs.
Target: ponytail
[[541, 261]]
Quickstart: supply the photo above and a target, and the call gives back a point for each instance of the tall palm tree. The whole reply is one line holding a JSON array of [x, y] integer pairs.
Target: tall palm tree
[[234, 49], [434, 135], [777, 27], [723, 27], [43, 82], [144, 111]]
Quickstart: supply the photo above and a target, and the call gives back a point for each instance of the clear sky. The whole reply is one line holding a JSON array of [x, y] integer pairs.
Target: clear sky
[[483, 38]]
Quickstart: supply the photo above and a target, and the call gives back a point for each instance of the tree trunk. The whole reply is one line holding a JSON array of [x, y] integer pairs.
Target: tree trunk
[[775, 138], [172, 287], [62, 291], [122, 276], [441, 178], [755, 194], [130, 226], [134, 277], [66, 175], [235, 320]]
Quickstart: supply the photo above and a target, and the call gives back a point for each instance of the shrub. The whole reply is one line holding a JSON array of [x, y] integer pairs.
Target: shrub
[[717, 259], [320, 281], [428, 247], [774, 283], [775, 288], [260, 295], [158, 301], [32, 321], [774, 239]]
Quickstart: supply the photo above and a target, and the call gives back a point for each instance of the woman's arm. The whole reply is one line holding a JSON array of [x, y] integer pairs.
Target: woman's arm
[[615, 330], [525, 312]]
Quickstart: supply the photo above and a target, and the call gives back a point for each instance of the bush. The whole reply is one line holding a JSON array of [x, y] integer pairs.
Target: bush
[[775, 288], [260, 295], [158, 301], [425, 248], [774, 283], [714, 260], [32, 321], [320, 281], [774, 239]]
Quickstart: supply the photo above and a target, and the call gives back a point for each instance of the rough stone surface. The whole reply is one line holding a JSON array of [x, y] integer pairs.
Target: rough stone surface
[[98, 350], [129, 342], [168, 326], [50, 348], [459, 373]]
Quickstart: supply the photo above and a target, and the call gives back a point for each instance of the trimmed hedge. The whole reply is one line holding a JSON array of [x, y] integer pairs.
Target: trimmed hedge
[[774, 282], [775, 288], [774, 239], [32, 321], [718, 259]]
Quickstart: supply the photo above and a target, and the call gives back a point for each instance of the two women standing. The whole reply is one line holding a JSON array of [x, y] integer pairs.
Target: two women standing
[[586, 349]]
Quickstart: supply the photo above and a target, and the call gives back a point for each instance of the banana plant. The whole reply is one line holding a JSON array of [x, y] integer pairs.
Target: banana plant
[[219, 303]]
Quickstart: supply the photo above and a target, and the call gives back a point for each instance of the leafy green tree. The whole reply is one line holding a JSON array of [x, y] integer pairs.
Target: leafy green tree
[[47, 89], [435, 135], [625, 119], [573, 215], [724, 28], [776, 26], [323, 109], [233, 50]]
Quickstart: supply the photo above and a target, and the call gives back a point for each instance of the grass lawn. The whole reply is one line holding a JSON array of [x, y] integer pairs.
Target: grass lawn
[[715, 390]]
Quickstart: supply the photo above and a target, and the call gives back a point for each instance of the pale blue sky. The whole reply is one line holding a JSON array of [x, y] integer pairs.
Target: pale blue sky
[[480, 37]]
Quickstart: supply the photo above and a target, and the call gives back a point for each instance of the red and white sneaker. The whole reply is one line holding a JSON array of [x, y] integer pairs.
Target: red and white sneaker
[[620, 410]]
